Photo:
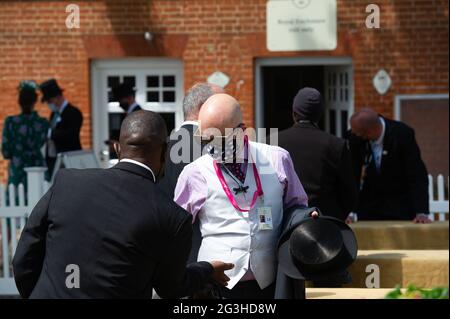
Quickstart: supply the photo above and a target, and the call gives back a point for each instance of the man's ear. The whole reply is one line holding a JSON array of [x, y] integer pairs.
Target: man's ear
[[116, 146]]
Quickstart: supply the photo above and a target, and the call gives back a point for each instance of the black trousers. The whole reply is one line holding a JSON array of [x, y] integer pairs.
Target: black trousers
[[248, 290]]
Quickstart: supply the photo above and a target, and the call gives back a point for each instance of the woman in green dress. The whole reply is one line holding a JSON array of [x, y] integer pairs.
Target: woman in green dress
[[24, 135]]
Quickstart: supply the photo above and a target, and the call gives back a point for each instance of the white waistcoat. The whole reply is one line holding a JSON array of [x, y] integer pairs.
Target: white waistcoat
[[230, 235]]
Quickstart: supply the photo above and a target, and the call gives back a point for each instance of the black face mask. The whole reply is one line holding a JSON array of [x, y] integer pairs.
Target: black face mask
[[226, 152]]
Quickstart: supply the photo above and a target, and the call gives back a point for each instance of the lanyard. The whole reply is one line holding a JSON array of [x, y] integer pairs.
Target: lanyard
[[258, 192]]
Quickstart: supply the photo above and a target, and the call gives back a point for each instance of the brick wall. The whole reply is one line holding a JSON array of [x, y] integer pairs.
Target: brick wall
[[208, 35]]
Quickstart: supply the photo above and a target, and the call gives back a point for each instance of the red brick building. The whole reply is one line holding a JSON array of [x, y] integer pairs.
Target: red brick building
[[191, 39]]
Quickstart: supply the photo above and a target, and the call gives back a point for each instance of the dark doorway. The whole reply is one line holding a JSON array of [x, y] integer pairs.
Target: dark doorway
[[280, 85]]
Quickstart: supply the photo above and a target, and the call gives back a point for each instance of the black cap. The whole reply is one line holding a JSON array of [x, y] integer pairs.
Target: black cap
[[49, 89], [308, 105]]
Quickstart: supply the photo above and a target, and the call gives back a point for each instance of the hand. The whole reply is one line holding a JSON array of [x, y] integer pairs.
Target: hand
[[218, 276], [314, 215], [422, 219], [351, 218]]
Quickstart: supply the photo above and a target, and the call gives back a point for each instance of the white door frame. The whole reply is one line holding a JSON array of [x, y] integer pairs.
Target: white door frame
[[399, 98], [294, 61], [99, 67]]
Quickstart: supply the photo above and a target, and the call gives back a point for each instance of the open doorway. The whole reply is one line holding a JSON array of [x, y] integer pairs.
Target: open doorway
[[278, 80], [281, 84]]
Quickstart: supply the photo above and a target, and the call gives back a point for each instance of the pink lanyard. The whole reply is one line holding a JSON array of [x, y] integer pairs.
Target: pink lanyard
[[258, 192]]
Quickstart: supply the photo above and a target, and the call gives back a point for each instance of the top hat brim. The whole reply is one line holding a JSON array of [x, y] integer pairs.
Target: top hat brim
[[289, 268]]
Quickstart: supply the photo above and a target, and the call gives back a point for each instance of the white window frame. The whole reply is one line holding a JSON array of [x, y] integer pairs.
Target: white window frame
[[140, 67]]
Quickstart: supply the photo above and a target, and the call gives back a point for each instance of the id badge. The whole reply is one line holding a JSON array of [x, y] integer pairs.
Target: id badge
[[265, 218]]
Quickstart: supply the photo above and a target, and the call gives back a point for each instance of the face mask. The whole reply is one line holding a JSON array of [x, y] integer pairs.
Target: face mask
[[225, 150], [53, 107]]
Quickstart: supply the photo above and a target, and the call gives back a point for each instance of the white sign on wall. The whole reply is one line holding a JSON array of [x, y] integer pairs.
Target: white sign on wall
[[382, 82], [301, 25], [219, 78]]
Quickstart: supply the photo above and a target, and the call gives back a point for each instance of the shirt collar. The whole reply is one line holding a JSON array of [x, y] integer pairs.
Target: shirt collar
[[379, 141], [132, 107], [127, 160], [194, 123], [63, 106]]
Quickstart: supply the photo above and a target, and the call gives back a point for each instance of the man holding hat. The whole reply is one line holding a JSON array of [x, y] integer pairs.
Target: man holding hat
[[238, 190], [65, 123], [322, 161]]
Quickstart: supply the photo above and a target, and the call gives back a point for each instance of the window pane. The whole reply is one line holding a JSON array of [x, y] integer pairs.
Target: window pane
[[111, 97], [169, 96], [153, 81], [153, 96], [113, 81], [169, 81], [129, 79]]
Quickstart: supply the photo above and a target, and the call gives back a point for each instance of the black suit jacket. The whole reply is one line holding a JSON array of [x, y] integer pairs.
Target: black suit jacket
[[172, 171], [322, 162], [66, 134], [400, 190], [122, 232]]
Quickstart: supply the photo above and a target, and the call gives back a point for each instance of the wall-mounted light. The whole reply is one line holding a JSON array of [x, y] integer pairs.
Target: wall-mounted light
[[148, 36]]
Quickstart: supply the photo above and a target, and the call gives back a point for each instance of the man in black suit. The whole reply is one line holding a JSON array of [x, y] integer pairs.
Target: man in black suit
[[321, 160], [185, 149], [389, 170], [65, 124], [125, 95], [112, 233]]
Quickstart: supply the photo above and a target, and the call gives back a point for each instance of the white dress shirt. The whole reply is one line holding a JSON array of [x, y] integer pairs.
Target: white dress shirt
[[377, 146], [132, 107]]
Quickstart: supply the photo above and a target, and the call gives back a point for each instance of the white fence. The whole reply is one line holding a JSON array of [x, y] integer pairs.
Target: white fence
[[438, 191], [13, 216], [15, 206]]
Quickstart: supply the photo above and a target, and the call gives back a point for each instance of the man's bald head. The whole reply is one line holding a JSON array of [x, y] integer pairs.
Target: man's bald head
[[143, 136], [366, 124], [220, 111]]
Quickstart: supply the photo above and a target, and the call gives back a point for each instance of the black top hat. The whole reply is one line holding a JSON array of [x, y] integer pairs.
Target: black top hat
[[123, 90], [315, 248], [49, 89]]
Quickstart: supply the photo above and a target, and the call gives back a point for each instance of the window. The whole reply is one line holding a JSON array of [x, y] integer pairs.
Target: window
[[161, 89]]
